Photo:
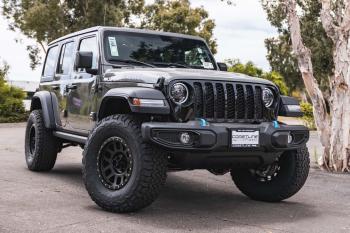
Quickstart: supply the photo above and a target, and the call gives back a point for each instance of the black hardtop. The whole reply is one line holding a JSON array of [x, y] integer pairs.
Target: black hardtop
[[123, 29]]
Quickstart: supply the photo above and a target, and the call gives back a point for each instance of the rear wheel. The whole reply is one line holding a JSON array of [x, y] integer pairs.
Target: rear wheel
[[277, 181], [121, 172], [41, 147]]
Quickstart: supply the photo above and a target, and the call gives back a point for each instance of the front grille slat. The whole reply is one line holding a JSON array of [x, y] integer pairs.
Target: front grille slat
[[240, 102], [198, 100], [209, 99], [250, 109], [220, 101], [231, 100]]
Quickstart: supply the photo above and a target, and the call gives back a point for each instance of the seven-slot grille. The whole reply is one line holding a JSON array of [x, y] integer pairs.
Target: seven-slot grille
[[228, 101]]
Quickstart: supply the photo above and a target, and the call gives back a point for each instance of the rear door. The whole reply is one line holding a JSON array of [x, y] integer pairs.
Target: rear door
[[82, 95], [63, 76], [49, 82]]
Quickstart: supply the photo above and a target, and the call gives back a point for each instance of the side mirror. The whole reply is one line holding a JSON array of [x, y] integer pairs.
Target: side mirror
[[222, 66], [83, 60]]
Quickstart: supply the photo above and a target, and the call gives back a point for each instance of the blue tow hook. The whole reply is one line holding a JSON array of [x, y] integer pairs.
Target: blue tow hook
[[203, 122], [275, 124]]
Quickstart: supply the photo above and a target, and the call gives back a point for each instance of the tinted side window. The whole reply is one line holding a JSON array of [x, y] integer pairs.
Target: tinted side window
[[66, 58], [49, 68], [90, 45]]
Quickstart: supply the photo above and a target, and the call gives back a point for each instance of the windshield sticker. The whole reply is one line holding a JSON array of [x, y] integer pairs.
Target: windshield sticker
[[208, 65], [113, 46]]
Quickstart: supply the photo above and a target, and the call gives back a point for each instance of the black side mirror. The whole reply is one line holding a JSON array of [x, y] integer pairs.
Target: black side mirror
[[222, 66], [83, 60]]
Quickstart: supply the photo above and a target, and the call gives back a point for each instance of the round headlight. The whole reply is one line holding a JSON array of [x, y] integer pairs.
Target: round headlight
[[179, 93], [268, 97]]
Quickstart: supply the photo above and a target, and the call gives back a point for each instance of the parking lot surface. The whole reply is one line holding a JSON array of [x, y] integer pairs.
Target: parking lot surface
[[192, 201]]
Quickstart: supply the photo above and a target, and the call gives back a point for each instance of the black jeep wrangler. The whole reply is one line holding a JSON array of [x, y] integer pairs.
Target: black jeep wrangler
[[142, 102]]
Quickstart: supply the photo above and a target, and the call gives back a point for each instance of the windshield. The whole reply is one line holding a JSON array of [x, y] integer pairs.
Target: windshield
[[156, 50]]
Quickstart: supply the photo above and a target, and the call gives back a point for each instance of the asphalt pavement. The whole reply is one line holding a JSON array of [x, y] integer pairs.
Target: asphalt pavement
[[192, 201]]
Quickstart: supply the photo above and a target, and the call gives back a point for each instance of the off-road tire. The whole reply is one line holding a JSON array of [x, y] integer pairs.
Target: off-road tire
[[148, 169], [43, 156], [294, 170]]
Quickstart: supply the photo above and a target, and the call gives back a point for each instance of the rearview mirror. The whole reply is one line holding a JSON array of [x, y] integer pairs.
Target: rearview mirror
[[222, 66]]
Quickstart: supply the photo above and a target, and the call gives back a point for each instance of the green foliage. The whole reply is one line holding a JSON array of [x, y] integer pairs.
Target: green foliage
[[279, 49], [308, 117], [250, 69], [178, 16], [11, 100], [46, 20]]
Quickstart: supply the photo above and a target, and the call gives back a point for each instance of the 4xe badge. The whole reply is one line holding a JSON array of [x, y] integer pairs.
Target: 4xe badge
[[245, 138]]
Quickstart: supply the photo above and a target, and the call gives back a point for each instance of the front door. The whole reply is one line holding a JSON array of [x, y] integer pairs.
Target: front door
[[82, 91]]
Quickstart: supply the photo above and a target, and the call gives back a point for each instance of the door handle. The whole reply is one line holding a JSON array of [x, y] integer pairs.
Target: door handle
[[71, 87], [56, 87]]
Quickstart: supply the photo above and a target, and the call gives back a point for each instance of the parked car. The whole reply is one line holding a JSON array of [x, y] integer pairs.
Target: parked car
[[144, 102]]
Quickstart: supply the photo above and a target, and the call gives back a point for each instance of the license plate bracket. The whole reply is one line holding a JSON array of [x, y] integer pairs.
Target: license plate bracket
[[245, 138]]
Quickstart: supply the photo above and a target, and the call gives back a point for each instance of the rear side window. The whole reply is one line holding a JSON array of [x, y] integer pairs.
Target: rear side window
[[49, 68], [66, 59], [90, 45]]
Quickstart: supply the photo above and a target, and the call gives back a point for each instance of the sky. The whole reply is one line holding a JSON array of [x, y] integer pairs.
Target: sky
[[240, 32]]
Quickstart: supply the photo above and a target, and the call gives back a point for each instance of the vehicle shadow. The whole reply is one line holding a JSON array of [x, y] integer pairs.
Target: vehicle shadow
[[191, 202]]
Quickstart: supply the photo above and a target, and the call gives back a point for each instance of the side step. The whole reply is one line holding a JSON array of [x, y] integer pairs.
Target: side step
[[70, 137]]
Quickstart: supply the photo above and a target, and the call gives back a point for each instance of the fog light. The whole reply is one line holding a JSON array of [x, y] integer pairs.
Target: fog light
[[290, 138], [185, 138]]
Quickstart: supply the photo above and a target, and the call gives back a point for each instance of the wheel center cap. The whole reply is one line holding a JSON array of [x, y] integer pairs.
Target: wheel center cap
[[119, 163]]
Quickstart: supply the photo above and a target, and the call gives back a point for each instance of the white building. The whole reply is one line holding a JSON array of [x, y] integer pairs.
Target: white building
[[28, 86]]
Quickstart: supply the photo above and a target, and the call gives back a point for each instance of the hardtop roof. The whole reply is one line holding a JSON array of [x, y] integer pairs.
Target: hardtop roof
[[123, 29]]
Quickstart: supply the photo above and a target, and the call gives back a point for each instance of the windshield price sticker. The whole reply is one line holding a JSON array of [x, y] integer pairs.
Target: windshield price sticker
[[113, 46], [245, 138], [208, 65]]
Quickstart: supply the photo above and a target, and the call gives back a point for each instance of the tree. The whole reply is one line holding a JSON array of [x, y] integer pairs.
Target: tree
[[334, 128], [280, 54], [234, 65], [11, 99], [178, 16], [46, 20]]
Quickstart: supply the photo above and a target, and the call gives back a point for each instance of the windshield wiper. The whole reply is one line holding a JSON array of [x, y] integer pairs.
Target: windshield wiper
[[132, 61], [171, 64]]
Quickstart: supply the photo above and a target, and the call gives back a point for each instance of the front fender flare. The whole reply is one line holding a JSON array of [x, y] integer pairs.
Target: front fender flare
[[128, 93]]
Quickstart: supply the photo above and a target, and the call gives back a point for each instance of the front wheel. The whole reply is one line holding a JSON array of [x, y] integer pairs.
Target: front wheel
[[277, 181], [121, 172]]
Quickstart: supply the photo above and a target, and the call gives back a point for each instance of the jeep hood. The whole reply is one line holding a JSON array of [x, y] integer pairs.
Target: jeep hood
[[151, 75]]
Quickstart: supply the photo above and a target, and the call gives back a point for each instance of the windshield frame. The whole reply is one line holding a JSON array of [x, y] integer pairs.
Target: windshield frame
[[106, 61]]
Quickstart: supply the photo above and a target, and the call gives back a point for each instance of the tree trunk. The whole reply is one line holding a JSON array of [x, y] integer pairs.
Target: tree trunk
[[303, 55], [340, 140], [340, 83]]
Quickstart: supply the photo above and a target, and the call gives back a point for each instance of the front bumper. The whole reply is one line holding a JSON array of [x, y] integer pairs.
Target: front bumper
[[217, 136], [214, 140]]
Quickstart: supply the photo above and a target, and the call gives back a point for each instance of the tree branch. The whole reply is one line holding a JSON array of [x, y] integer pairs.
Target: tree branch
[[345, 25], [327, 20]]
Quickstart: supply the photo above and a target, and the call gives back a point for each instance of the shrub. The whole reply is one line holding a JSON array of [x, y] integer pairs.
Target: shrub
[[11, 100], [308, 117]]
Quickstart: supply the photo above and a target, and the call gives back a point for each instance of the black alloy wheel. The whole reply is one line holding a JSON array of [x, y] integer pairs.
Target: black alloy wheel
[[114, 163]]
